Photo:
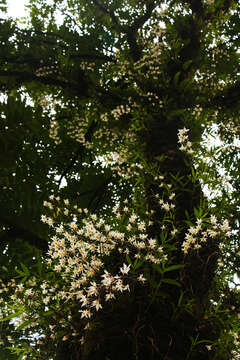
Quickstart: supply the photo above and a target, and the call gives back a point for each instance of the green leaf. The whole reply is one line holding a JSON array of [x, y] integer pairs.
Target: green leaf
[[158, 268], [12, 316], [163, 236], [21, 273], [171, 281], [25, 269], [160, 158], [154, 283], [48, 313], [169, 248], [25, 323], [138, 263], [128, 259], [21, 356], [173, 267], [180, 299], [176, 77], [187, 64], [185, 84]]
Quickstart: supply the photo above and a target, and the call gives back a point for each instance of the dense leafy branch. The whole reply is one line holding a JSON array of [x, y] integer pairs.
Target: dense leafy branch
[[111, 14]]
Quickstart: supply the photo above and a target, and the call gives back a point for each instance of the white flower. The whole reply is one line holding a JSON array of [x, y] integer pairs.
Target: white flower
[[28, 292], [225, 226], [141, 226], [86, 314], [57, 268], [92, 290], [193, 230], [132, 218], [107, 228], [125, 269], [166, 206], [73, 225], [213, 220], [212, 233], [197, 246], [49, 221], [109, 296], [84, 300], [20, 287], [141, 278], [46, 300], [96, 304], [107, 279], [119, 285], [182, 131], [152, 243], [43, 286], [43, 218], [190, 239]]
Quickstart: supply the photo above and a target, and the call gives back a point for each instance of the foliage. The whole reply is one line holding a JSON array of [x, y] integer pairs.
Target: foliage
[[120, 180]]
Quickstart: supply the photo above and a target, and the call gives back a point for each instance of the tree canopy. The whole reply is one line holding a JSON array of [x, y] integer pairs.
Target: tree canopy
[[119, 153]]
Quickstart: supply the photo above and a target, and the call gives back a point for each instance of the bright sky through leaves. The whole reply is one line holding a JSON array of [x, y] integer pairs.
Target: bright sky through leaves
[[16, 7]]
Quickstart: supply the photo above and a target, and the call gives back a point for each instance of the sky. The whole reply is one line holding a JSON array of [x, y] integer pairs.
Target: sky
[[16, 10], [16, 7]]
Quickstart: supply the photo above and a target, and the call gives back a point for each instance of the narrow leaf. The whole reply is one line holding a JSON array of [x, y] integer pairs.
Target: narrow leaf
[[171, 281], [173, 267]]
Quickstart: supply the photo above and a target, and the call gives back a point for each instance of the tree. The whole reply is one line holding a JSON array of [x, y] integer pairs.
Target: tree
[[110, 247]]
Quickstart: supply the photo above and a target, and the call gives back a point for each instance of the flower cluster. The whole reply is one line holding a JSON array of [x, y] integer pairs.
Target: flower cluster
[[150, 63], [235, 337], [197, 111], [90, 66], [77, 130], [186, 145], [119, 163], [119, 111], [54, 131], [46, 70], [203, 230], [91, 261]]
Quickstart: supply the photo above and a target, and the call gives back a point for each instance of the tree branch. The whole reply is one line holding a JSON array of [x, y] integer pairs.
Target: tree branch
[[80, 150], [26, 77], [131, 32], [140, 21], [111, 14], [72, 163]]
